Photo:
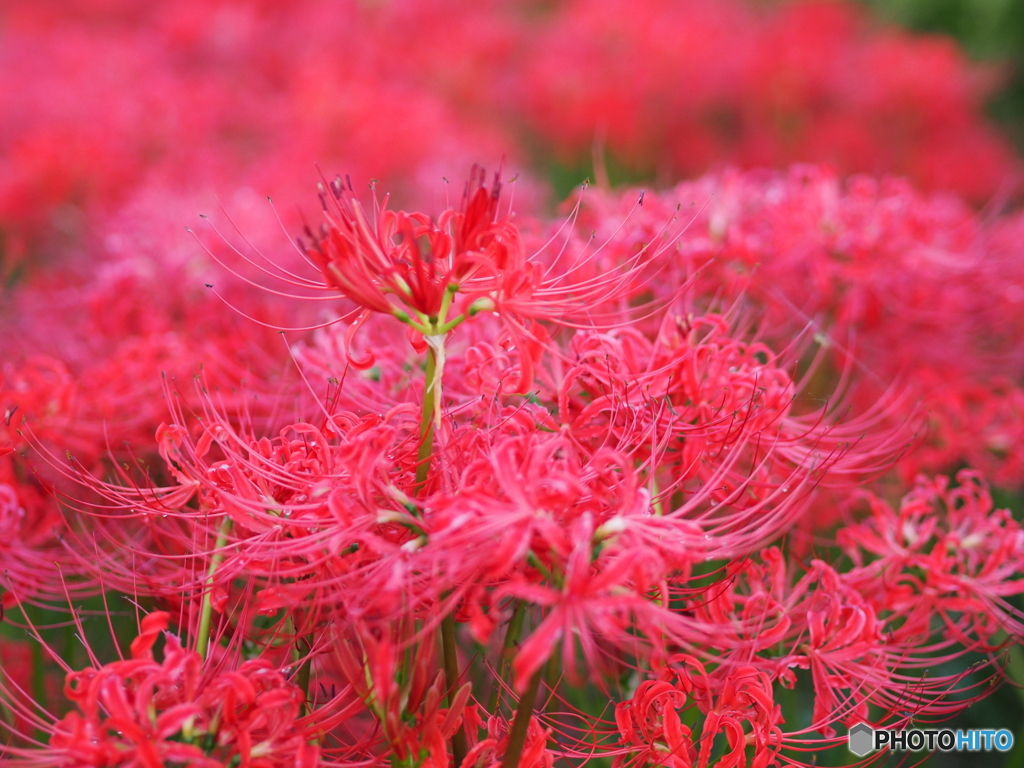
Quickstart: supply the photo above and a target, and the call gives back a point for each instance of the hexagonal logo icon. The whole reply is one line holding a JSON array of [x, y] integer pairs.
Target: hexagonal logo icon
[[861, 739]]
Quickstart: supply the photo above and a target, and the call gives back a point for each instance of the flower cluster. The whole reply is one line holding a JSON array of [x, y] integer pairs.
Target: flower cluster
[[547, 444], [143, 712], [893, 286]]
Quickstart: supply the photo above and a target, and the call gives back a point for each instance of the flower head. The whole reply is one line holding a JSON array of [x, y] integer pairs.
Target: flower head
[[145, 713], [400, 263]]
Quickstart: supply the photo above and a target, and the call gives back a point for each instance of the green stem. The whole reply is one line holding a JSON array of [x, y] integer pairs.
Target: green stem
[[451, 675], [551, 578], [446, 303], [206, 612], [303, 683], [521, 723], [451, 324], [552, 675], [302, 676], [515, 626], [657, 502], [448, 646], [426, 424], [678, 499], [38, 670]]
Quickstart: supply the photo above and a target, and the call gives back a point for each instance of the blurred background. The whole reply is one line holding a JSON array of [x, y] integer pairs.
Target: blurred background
[[988, 30]]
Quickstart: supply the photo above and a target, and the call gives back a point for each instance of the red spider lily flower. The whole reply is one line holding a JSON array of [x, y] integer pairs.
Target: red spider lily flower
[[41, 389], [952, 343], [636, 400], [467, 261], [595, 600], [645, 80], [737, 703], [489, 752], [862, 646], [946, 552], [844, 651], [36, 564], [147, 713], [650, 720], [370, 258], [299, 504]]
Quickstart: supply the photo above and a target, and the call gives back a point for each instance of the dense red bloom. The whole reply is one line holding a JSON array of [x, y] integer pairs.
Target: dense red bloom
[[901, 291], [739, 705], [525, 472], [945, 553], [488, 752], [415, 725], [143, 712], [36, 565], [572, 519]]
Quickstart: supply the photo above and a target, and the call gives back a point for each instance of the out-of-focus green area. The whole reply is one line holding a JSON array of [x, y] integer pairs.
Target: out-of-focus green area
[[989, 30]]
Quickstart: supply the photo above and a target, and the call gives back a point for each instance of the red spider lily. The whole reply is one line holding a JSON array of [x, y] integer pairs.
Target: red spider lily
[[551, 491], [596, 599], [738, 704], [325, 521], [650, 720], [408, 256], [646, 449], [741, 698], [646, 82], [946, 553], [168, 94], [143, 712], [468, 261], [861, 649], [489, 752], [36, 564], [44, 388]]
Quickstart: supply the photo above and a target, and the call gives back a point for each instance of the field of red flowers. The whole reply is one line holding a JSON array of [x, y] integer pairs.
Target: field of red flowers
[[451, 384]]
